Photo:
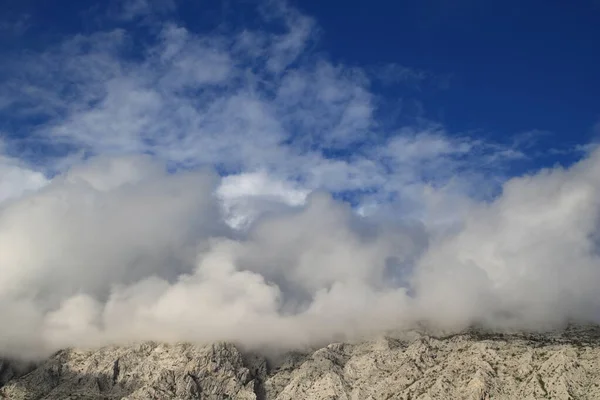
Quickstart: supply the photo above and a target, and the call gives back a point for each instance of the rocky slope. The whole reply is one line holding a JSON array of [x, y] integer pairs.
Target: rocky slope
[[466, 366]]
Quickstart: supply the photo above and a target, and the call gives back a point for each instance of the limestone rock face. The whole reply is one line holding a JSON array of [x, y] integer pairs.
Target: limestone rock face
[[473, 366], [145, 371]]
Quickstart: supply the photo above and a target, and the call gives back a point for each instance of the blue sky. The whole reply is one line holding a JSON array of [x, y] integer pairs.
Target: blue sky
[[514, 81], [503, 67], [498, 67], [313, 167]]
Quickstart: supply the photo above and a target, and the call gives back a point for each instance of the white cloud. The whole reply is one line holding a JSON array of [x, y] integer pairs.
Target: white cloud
[[124, 251], [530, 257], [137, 243], [247, 196], [248, 101], [108, 232], [16, 178]]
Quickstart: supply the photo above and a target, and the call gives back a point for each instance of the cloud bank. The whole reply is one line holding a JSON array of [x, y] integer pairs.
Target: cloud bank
[[239, 186]]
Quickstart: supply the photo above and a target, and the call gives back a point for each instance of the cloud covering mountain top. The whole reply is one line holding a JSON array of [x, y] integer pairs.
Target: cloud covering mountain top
[[238, 186]]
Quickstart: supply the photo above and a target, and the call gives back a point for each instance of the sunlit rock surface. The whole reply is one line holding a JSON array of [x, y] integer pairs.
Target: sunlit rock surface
[[473, 365]]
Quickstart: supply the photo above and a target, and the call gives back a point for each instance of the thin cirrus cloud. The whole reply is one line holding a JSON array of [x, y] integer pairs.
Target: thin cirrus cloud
[[193, 191]]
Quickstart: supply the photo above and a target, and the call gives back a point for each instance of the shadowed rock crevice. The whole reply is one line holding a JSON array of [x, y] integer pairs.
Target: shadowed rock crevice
[[116, 371], [197, 388]]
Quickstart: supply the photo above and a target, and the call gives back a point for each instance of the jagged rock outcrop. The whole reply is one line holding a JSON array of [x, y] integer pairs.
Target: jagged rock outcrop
[[473, 365]]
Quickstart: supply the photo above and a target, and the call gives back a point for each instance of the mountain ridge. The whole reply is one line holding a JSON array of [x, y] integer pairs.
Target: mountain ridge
[[475, 364]]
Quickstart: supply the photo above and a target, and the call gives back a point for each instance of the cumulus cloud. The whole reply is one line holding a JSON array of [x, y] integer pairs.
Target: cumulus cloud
[[119, 250], [245, 197], [528, 258], [237, 186]]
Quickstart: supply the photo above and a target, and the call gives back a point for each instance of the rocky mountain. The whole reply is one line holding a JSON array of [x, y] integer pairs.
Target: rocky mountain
[[473, 365]]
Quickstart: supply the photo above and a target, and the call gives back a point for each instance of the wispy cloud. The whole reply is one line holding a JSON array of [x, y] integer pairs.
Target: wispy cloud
[[15, 26], [393, 74], [243, 101], [129, 10], [111, 228]]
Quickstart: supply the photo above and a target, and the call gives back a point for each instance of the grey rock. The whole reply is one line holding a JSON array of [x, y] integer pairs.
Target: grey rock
[[12, 369], [473, 365]]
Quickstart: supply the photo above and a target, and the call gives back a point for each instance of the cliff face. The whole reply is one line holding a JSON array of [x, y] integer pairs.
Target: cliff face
[[466, 366]]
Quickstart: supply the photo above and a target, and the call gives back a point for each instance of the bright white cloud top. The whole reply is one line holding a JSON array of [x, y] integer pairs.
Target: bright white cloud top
[[123, 230]]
